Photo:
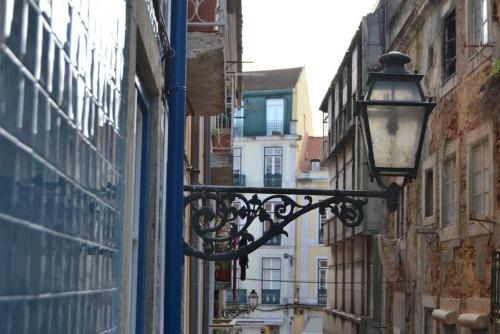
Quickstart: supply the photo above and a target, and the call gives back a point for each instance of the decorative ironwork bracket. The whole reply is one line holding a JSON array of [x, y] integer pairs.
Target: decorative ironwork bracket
[[223, 228]]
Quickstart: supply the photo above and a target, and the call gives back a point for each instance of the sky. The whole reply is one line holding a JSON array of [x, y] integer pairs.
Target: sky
[[293, 33]]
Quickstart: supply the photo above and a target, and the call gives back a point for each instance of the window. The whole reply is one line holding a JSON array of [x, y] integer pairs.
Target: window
[[449, 190], [273, 159], [315, 165], [345, 80], [429, 193], [400, 215], [322, 279], [271, 209], [430, 57], [275, 109], [239, 117], [237, 160], [480, 179], [450, 45], [478, 24], [354, 70], [321, 228], [271, 276]]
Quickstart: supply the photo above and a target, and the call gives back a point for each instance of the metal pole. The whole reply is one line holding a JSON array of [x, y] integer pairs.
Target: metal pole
[[175, 170]]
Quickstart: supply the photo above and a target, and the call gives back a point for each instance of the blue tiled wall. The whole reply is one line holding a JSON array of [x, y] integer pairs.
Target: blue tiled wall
[[61, 139]]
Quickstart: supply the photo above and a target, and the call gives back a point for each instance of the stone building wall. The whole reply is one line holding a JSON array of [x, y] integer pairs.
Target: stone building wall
[[448, 267]]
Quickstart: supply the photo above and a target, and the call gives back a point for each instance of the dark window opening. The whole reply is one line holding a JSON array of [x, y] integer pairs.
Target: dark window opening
[[429, 193], [450, 45]]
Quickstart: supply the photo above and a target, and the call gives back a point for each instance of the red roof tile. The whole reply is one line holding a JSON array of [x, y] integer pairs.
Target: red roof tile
[[313, 150]]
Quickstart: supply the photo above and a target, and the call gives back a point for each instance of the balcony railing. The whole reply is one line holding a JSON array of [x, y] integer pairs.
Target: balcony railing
[[272, 180], [322, 297], [239, 296], [270, 296], [239, 180], [276, 241], [274, 128]]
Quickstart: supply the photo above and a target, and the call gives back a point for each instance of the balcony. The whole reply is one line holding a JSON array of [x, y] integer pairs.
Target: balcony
[[275, 128], [275, 241], [270, 296], [272, 180], [322, 296], [239, 297], [239, 180]]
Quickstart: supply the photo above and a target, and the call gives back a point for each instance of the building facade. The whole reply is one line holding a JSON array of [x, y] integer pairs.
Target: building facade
[[82, 151], [84, 113], [448, 275], [268, 131], [354, 270], [311, 257]]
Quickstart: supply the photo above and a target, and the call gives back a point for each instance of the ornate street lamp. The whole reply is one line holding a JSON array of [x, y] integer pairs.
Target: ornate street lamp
[[394, 117], [253, 299]]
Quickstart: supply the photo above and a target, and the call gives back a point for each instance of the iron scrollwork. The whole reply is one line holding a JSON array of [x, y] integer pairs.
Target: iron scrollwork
[[220, 224]]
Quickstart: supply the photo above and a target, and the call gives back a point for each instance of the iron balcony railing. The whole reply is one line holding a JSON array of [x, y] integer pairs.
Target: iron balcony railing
[[272, 180], [275, 241], [322, 296], [237, 296], [274, 128], [270, 296], [239, 180]]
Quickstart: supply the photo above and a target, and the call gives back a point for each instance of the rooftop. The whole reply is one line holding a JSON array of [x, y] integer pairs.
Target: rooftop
[[313, 147], [271, 79]]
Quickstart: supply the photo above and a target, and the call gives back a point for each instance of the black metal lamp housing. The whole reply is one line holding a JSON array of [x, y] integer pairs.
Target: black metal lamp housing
[[253, 299], [394, 117]]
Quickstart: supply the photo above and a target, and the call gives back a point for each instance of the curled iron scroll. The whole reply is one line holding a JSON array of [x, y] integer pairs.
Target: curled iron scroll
[[218, 222]]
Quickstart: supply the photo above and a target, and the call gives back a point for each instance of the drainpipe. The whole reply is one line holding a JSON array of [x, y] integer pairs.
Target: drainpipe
[[174, 216]]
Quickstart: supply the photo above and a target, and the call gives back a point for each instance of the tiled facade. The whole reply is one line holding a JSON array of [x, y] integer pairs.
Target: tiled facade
[[68, 114], [61, 166]]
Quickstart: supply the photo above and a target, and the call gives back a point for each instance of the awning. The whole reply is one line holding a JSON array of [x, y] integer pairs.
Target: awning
[[314, 326]]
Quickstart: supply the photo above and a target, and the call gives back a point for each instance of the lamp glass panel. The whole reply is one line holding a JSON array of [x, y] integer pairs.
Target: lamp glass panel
[[395, 91], [395, 133]]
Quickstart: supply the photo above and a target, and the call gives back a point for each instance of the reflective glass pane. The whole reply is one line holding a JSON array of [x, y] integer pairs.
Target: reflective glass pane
[[395, 133], [395, 91]]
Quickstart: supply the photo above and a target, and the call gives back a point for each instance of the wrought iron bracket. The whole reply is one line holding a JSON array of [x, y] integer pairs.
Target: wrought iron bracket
[[222, 226]]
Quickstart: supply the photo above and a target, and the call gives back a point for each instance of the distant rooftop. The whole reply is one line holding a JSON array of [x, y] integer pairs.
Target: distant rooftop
[[312, 151], [272, 79]]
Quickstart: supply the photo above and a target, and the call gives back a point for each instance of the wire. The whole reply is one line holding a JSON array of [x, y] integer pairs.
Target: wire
[[314, 282]]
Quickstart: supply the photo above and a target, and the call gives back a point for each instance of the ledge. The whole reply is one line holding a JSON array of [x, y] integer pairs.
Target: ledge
[[473, 320], [447, 317]]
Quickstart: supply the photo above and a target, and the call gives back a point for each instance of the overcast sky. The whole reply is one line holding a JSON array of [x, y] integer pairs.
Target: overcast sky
[[292, 33]]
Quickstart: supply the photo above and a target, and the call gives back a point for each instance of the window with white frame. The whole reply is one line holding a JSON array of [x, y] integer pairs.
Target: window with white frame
[[479, 184], [273, 158], [275, 113], [315, 165], [321, 228], [271, 277], [478, 24], [449, 190], [322, 280], [237, 160], [271, 208]]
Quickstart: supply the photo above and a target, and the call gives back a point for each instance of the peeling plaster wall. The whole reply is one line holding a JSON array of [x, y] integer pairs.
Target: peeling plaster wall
[[459, 267]]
